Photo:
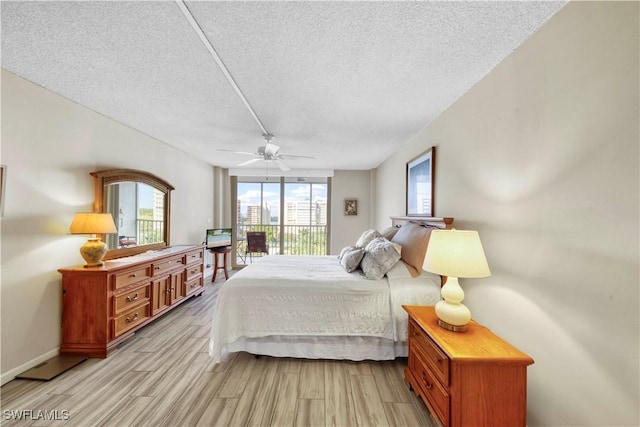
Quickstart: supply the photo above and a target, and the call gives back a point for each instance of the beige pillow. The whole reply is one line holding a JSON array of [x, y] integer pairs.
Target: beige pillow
[[388, 233], [414, 239]]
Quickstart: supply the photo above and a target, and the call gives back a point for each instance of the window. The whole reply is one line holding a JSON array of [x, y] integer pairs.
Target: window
[[292, 211]]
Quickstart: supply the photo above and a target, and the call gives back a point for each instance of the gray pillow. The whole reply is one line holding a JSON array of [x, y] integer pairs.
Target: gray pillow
[[367, 237], [345, 250], [351, 259], [380, 255]]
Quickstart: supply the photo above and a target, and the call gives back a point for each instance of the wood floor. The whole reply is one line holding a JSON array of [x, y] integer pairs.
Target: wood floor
[[164, 377]]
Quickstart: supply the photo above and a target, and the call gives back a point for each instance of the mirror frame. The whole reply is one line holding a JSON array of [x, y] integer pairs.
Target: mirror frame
[[113, 176]]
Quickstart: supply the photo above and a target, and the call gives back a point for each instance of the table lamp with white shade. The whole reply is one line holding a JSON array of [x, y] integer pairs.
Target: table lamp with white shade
[[455, 253], [93, 223]]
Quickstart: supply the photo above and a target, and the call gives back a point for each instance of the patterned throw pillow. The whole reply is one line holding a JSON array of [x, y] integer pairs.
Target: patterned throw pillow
[[380, 255], [345, 250], [367, 237], [351, 259]]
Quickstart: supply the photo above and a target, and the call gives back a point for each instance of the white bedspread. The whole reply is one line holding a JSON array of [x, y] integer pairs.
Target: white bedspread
[[305, 296]]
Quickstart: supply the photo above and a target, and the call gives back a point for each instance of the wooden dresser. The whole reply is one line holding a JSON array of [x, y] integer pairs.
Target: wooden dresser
[[470, 378], [103, 306]]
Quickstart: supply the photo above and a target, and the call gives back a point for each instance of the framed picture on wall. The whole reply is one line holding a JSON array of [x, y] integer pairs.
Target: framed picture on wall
[[350, 206], [420, 184], [3, 186]]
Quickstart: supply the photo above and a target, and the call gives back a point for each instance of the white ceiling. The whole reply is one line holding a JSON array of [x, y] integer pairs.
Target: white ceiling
[[345, 82]]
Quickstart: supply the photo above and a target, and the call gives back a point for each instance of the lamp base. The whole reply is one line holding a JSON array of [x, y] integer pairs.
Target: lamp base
[[450, 327], [93, 251]]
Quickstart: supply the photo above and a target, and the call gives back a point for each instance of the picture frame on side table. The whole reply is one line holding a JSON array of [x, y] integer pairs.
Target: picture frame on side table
[[350, 206], [419, 184]]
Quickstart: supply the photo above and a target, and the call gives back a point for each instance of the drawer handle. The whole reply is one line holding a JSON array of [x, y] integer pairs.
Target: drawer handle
[[135, 297], [132, 275], [195, 270], [135, 316], [424, 380], [157, 267]]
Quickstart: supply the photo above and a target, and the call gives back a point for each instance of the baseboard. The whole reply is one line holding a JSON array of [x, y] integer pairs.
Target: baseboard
[[10, 375]]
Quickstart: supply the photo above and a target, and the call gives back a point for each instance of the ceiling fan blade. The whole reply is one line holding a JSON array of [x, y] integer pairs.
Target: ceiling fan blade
[[287, 156], [236, 152], [248, 162], [281, 165]]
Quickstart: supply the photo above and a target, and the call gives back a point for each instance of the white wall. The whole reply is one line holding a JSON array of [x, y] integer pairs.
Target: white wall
[[50, 145], [542, 158], [345, 229]]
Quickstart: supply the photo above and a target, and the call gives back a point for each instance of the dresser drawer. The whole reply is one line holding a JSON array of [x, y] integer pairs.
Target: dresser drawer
[[193, 257], [194, 285], [431, 353], [131, 318], [167, 265], [432, 390], [132, 298], [132, 276], [193, 271]]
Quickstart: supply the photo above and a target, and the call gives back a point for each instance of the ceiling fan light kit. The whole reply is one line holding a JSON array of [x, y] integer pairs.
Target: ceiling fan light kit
[[269, 152]]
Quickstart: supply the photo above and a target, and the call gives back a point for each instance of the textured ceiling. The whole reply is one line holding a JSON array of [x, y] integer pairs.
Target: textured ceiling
[[345, 82]]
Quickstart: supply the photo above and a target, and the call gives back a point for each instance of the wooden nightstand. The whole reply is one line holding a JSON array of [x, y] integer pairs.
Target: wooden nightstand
[[471, 378]]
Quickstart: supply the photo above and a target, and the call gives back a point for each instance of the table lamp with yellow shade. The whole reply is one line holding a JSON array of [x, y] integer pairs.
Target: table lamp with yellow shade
[[93, 223], [455, 253]]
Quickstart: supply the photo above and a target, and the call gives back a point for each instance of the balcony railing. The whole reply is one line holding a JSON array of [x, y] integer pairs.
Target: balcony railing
[[150, 231], [296, 239]]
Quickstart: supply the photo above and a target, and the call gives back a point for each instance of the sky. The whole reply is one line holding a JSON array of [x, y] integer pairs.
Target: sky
[[249, 194]]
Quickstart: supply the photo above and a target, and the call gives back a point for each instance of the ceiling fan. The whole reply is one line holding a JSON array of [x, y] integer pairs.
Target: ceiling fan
[[268, 153]]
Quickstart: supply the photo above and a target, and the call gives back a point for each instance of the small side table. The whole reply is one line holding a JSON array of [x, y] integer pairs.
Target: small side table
[[217, 254]]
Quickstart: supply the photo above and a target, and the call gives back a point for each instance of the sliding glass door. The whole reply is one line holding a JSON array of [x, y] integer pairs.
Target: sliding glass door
[[293, 212]]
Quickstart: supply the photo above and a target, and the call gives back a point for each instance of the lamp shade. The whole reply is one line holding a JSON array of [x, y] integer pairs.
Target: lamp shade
[[456, 253], [93, 223]]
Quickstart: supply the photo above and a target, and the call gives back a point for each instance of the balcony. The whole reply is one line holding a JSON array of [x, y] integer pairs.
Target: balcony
[[285, 240]]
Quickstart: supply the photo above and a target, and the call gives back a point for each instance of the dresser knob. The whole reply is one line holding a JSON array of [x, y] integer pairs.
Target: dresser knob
[[135, 316], [135, 297], [132, 275]]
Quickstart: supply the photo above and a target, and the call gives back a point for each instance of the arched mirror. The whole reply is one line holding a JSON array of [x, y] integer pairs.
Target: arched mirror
[[140, 204]]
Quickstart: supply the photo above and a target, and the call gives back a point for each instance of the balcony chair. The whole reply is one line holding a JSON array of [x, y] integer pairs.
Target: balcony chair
[[256, 244]]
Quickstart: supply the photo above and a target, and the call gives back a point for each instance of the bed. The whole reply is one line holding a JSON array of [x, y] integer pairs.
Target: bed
[[312, 307]]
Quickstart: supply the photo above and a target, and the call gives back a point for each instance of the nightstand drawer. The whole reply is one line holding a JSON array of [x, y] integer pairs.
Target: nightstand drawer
[[432, 354], [431, 388]]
